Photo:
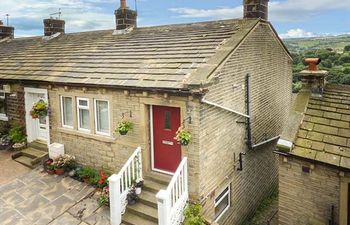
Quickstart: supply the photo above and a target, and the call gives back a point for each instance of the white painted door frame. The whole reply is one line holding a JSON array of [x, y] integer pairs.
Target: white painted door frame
[[32, 133]]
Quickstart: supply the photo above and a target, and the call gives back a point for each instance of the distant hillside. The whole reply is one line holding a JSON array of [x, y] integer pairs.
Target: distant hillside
[[337, 43]]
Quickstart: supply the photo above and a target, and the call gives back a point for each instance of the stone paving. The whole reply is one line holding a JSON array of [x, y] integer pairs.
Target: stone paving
[[38, 198], [10, 169]]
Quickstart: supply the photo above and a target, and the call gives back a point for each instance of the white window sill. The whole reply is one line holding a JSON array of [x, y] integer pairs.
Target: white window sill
[[108, 139]]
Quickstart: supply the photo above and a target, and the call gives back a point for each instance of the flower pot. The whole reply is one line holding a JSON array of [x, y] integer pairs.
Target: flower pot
[[59, 171], [138, 190], [123, 132], [184, 142], [131, 201], [51, 172]]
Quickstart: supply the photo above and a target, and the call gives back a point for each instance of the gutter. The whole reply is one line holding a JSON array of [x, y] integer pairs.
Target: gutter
[[223, 107], [265, 142], [248, 121]]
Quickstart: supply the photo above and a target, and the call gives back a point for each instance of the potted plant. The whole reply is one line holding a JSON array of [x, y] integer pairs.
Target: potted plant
[[39, 109], [183, 136], [124, 127], [62, 162], [88, 175], [5, 143], [16, 135], [132, 196], [138, 186], [103, 182], [103, 199], [51, 169]]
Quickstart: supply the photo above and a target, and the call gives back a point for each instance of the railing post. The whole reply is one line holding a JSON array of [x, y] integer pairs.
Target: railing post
[[114, 199], [163, 207]]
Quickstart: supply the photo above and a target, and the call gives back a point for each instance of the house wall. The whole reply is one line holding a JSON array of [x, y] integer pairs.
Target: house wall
[[15, 104], [306, 198], [223, 134], [112, 152]]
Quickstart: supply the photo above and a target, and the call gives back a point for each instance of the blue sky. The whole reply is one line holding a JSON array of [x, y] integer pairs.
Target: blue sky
[[291, 18]]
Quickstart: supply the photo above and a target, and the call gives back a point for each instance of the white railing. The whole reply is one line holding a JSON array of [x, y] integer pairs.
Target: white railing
[[120, 184], [173, 200]]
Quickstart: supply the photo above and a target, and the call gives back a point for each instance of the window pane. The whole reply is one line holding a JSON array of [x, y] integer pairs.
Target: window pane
[[67, 111], [221, 206], [167, 120], [83, 103], [2, 106], [102, 116], [84, 119]]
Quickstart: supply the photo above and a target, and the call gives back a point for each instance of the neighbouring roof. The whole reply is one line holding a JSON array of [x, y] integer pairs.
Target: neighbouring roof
[[324, 134], [173, 56]]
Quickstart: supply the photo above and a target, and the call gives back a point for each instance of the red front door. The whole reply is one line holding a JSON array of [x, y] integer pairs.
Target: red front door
[[166, 150]]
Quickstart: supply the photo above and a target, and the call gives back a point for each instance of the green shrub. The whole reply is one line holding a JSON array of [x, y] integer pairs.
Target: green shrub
[[193, 215], [88, 172], [16, 134], [297, 86]]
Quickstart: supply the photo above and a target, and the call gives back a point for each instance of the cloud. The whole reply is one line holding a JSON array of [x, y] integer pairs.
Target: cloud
[[297, 33], [279, 11], [80, 15], [222, 13]]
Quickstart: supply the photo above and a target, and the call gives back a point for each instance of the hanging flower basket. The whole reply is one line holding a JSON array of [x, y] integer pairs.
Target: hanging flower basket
[[124, 127], [183, 136], [40, 109]]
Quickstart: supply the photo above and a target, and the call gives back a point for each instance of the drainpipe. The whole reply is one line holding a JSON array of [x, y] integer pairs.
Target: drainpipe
[[249, 113]]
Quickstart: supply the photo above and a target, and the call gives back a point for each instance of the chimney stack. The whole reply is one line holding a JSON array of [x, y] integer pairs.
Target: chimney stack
[[313, 79], [53, 26], [6, 31], [255, 9], [125, 17]]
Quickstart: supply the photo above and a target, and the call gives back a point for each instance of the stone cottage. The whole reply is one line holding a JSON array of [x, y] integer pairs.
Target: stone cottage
[[314, 154], [227, 82]]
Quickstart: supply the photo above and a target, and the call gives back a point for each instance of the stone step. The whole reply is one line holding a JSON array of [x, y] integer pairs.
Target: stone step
[[153, 186], [29, 156], [144, 211], [148, 198], [41, 146], [158, 177], [131, 219], [24, 160]]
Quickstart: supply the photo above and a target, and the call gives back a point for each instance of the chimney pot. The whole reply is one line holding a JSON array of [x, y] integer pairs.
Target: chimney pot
[[53, 26], [123, 4], [313, 62], [255, 9]]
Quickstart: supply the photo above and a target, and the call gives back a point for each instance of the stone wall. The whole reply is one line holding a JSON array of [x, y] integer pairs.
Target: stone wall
[[223, 134], [306, 198], [15, 105], [112, 152]]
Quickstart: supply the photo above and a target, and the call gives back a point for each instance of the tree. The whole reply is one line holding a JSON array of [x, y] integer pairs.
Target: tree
[[347, 48]]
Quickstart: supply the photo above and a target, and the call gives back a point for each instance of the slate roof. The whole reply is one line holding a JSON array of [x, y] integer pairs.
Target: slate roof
[[324, 134], [170, 57]]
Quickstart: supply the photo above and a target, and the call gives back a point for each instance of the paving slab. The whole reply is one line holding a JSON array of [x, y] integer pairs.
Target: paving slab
[[84, 208], [10, 169], [66, 218]]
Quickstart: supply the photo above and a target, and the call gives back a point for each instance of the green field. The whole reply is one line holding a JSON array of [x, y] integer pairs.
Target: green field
[[337, 43]]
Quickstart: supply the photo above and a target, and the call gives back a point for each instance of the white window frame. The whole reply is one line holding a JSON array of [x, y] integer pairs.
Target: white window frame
[[3, 116], [109, 118], [228, 194], [78, 112], [62, 112]]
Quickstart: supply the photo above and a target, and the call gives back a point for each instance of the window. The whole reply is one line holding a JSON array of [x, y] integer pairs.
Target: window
[[83, 114], [167, 120], [222, 203], [102, 117], [67, 111], [3, 106]]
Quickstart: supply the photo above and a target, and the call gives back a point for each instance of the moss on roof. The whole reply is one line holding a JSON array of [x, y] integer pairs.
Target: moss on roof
[[324, 134]]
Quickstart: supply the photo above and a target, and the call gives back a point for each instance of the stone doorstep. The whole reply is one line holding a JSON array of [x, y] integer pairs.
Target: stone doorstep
[[29, 157]]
